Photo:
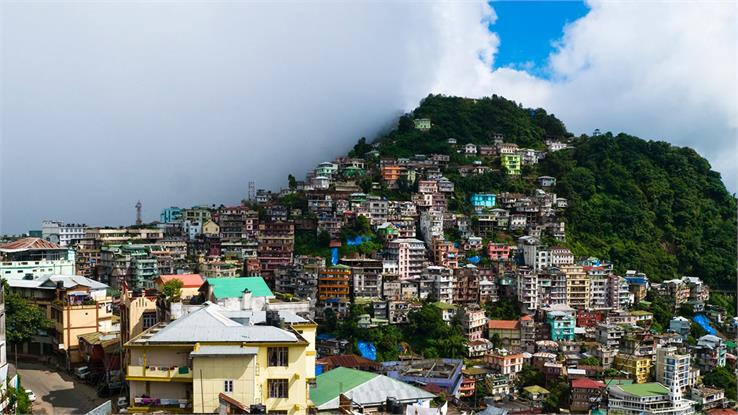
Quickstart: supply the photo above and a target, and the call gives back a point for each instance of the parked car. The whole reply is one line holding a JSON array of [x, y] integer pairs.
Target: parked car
[[82, 372], [31, 395]]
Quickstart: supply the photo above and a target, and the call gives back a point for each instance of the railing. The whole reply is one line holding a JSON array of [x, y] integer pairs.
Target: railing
[[160, 372]]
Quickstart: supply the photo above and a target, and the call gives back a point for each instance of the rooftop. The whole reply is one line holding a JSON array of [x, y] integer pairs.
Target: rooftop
[[234, 287], [29, 244], [643, 390], [188, 280]]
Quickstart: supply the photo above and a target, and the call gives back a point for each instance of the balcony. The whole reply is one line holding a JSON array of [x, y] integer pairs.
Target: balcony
[[146, 404], [161, 374]]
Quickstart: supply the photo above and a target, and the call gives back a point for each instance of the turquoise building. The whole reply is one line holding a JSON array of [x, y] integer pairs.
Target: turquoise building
[[483, 200], [170, 215], [562, 325]]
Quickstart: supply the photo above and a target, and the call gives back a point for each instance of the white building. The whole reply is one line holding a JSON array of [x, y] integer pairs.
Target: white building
[[60, 233], [674, 371], [528, 288], [646, 399], [431, 225], [33, 258], [444, 283]]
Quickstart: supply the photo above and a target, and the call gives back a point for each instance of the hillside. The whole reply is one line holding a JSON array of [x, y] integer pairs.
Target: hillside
[[644, 205]]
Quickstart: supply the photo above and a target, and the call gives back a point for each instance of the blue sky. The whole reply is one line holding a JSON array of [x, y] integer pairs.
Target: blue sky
[[528, 30]]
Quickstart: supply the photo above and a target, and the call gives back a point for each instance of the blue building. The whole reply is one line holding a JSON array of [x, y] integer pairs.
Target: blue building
[[170, 215], [562, 325], [483, 200]]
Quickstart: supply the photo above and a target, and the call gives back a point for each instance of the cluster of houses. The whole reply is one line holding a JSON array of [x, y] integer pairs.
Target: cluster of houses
[[240, 334]]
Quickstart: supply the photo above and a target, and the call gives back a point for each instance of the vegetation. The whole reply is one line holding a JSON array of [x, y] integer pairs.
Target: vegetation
[[722, 378], [22, 320], [503, 309], [172, 289], [19, 397], [647, 205]]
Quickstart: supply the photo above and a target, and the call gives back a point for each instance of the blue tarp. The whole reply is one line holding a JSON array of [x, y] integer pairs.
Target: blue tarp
[[318, 369], [705, 323], [474, 259], [367, 350], [357, 240], [334, 256]]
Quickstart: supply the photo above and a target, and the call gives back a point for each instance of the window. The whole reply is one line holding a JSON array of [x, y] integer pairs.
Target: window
[[277, 356], [228, 386], [278, 388], [148, 319]]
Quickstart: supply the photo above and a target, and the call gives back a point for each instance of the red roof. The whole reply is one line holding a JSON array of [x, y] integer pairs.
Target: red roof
[[526, 317], [586, 383], [188, 280], [503, 324], [718, 411], [348, 360], [26, 244]]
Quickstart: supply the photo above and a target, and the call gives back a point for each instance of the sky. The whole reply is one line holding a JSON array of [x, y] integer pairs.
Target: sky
[[183, 103]]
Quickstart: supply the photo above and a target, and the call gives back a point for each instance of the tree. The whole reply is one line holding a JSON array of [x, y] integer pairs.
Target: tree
[[19, 397], [172, 290], [22, 320], [530, 376], [504, 309], [590, 361], [292, 182], [723, 378]]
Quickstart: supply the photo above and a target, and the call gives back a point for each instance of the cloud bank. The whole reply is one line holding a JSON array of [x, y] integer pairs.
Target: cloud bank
[[177, 104]]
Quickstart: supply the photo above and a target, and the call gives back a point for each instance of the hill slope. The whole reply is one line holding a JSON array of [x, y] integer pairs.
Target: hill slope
[[642, 204]]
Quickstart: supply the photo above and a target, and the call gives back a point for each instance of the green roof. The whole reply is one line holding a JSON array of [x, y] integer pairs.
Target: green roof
[[640, 312], [334, 382], [444, 306], [645, 389], [234, 287], [535, 389]]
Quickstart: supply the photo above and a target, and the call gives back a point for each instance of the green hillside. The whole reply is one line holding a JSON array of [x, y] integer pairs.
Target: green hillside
[[642, 204]]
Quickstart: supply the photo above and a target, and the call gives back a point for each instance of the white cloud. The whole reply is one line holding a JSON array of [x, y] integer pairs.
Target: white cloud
[[659, 70], [104, 103]]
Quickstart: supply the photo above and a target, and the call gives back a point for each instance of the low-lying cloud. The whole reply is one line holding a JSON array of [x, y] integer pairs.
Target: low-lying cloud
[[179, 104]]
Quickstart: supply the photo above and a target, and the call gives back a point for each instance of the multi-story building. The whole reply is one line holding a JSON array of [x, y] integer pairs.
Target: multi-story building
[[192, 363], [444, 283], [77, 305], [35, 258], [673, 369], [431, 225], [681, 326], [236, 222], [609, 335], [618, 292], [505, 363], [646, 399], [171, 214], [445, 253], [409, 254], [466, 289], [276, 245], [64, 234], [199, 214], [577, 286], [511, 163], [334, 283], [129, 265], [138, 312], [709, 352], [562, 325], [367, 276], [584, 393], [473, 321], [638, 367], [552, 287], [527, 288], [506, 333]]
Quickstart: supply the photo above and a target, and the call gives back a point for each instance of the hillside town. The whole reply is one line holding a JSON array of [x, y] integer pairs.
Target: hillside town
[[375, 284]]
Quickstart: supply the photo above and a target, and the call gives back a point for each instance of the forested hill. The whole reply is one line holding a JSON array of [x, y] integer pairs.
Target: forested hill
[[644, 205]]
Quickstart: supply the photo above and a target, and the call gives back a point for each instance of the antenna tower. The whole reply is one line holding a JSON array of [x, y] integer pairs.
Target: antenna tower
[[138, 213]]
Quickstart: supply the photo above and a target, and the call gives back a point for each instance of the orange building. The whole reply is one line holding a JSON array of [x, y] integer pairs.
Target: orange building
[[334, 283], [391, 173]]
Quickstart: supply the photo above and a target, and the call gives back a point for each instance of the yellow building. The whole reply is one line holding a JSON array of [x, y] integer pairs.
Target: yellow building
[[210, 228], [137, 313], [639, 367], [577, 286], [76, 305], [250, 357]]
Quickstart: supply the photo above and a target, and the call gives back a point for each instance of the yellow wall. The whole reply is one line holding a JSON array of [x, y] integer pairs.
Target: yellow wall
[[213, 371], [136, 308]]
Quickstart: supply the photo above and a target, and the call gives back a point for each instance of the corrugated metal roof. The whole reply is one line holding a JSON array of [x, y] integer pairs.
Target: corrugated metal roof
[[364, 388], [205, 351], [234, 287], [27, 244]]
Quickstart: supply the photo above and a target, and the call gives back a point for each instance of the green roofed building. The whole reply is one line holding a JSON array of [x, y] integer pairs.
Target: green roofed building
[[367, 390], [224, 290], [647, 398]]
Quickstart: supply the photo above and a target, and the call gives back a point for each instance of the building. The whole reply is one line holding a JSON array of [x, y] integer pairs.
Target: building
[[585, 393], [505, 334], [276, 245], [343, 388], [646, 399], [191, 283], [577, 286], [64, 234], [443, 374], [473, 321], [265, 358], [334, 283], [562, 325], [483, 200], [241, 293], [138, 312], [422, 124], [673, 369], [409, 253], [35, 258], [709, 353], [638, 367], [504, 362], [511, 163], [546, 181], [76, 305], [171, 215]]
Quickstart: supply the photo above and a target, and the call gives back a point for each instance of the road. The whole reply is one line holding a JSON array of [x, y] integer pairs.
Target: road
[[56, 392]]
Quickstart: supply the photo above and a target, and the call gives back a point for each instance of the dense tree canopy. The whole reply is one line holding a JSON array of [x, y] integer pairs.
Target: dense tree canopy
[[22, 320]]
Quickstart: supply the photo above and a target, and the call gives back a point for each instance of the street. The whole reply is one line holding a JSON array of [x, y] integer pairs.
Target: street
[[56, 392]]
